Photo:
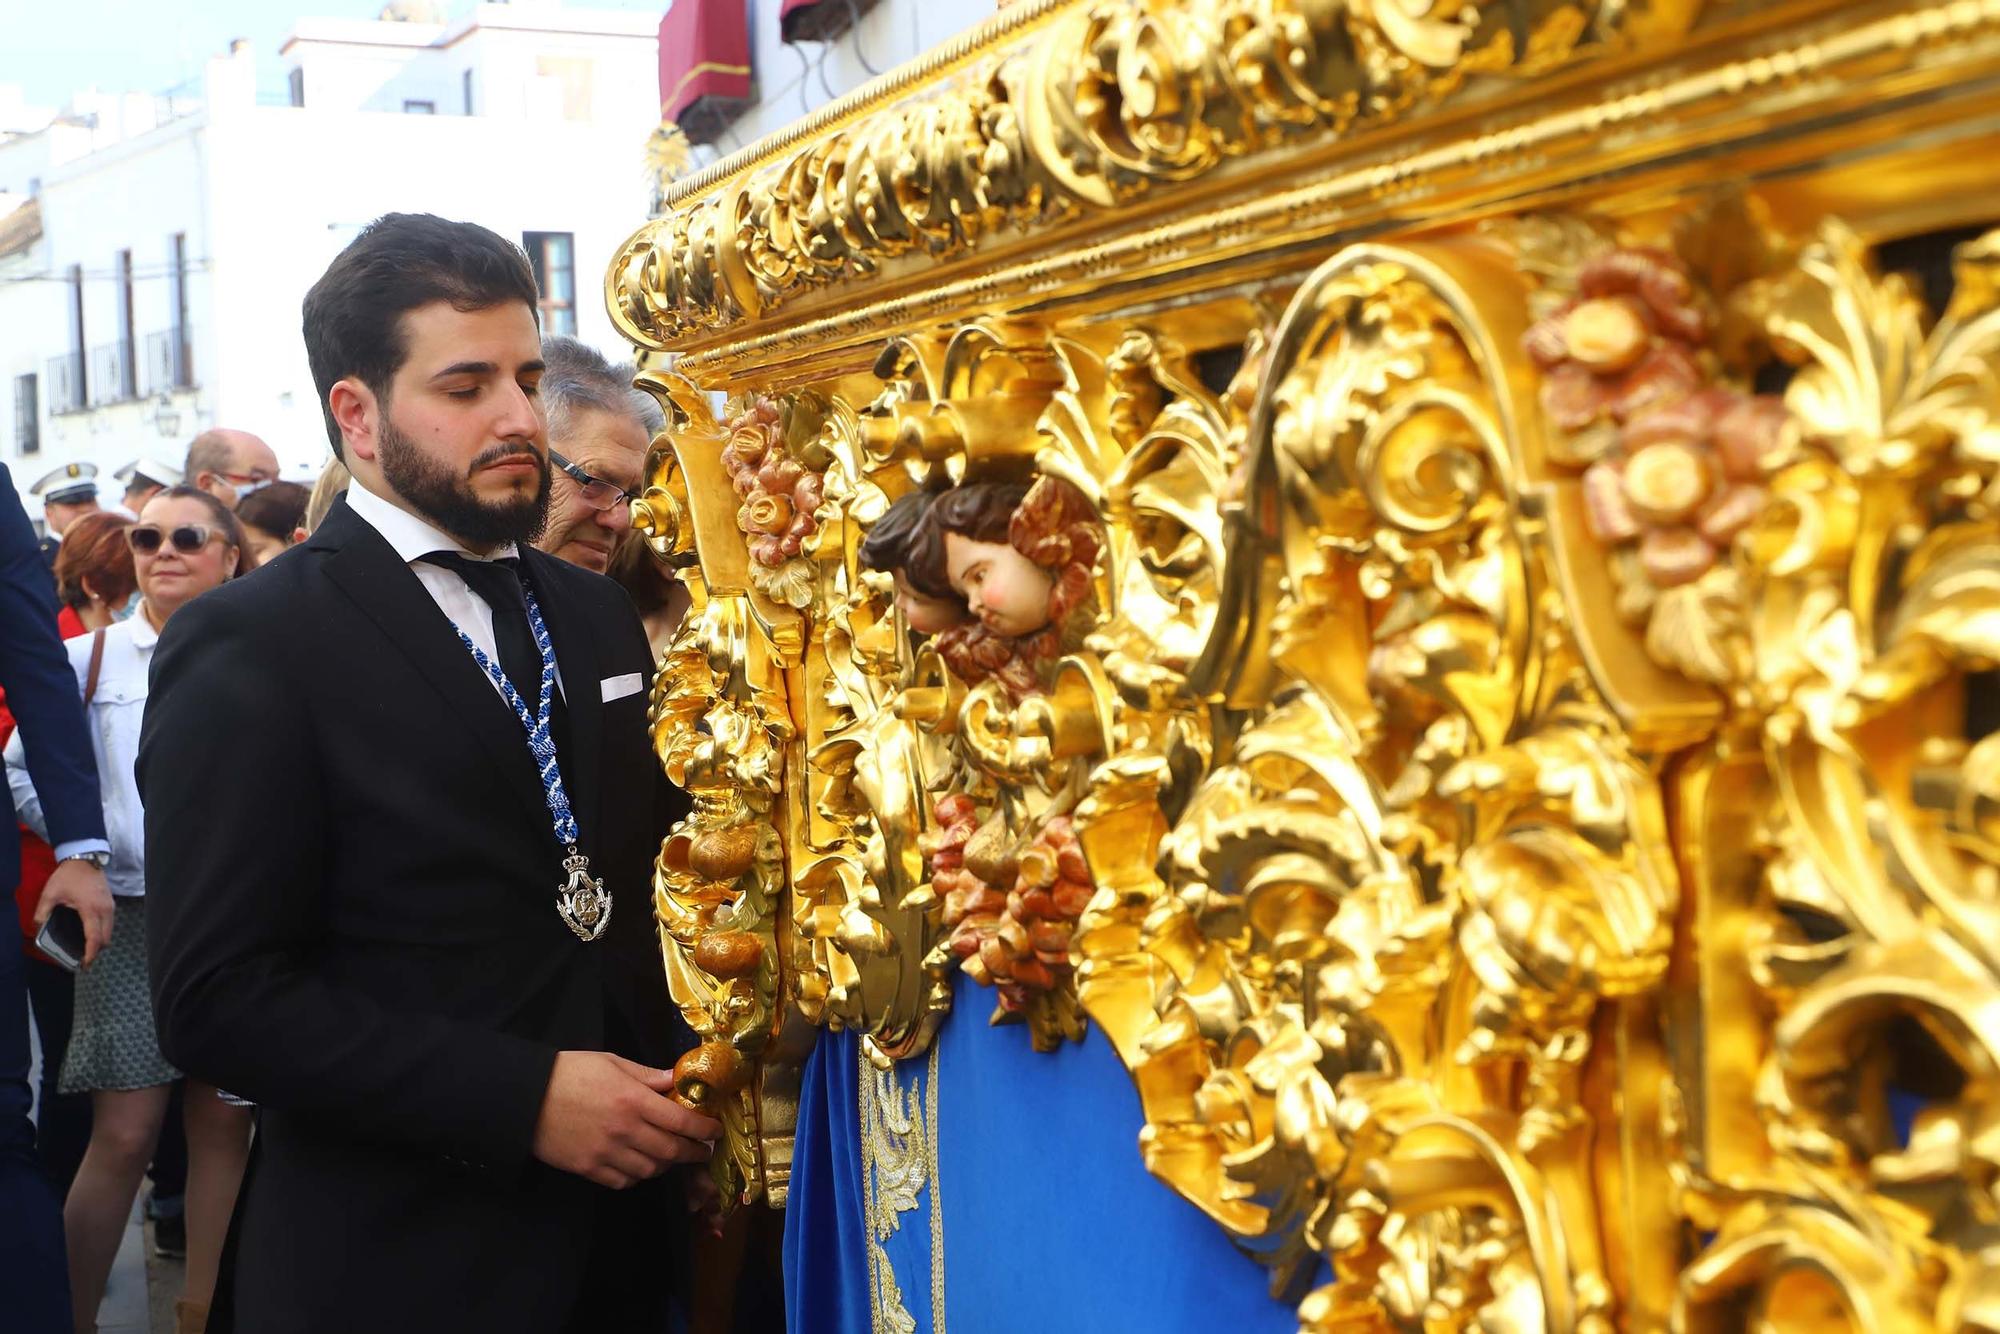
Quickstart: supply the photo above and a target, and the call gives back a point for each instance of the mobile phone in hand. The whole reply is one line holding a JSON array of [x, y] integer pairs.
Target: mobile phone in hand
[[61, 938]]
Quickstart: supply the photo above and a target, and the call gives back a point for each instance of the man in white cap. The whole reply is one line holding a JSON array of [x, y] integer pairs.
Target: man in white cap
[[67, 494], [145, 478]]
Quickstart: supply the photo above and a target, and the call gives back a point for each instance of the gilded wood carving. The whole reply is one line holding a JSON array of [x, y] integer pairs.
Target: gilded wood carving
[[1488, 713]]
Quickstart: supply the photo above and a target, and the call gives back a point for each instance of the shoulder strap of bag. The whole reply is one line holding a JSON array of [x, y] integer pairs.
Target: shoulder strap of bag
[[96, 665]]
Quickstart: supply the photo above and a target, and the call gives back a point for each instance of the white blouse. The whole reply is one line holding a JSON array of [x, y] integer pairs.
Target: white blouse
[[116, 711]]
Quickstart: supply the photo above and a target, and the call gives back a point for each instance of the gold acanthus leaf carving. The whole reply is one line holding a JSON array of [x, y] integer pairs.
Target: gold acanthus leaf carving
[[1098, 107], [719, 886], [1384, 933], [1423, 870], [1871, 583]]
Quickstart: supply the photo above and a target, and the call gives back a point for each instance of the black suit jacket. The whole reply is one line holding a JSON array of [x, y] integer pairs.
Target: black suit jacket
[[41, 690], [352, 877]]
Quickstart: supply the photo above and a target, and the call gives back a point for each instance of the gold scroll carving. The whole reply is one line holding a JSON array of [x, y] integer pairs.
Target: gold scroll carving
[[1506, 751]]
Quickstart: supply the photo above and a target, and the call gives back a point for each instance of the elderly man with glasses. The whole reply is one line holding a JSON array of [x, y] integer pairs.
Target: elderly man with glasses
[[599, 428], [229, 465]]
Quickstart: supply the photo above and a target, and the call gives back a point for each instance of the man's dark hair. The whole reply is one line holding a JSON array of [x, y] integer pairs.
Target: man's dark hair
[[354, 313]]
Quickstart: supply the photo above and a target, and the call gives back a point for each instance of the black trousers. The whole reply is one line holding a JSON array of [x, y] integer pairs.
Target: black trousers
[[33, 1268], [62, 1120], [634, 1280]]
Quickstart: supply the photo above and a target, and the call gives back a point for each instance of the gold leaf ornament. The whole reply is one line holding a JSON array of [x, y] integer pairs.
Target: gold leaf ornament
[[1701, 629], [1861, 341]]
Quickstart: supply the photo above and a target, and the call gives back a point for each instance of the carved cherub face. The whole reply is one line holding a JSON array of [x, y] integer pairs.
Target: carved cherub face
[[923, 613], [1008, 592]]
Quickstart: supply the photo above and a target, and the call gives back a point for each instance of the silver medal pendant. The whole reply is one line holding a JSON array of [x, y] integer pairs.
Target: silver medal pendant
[[582, 903]]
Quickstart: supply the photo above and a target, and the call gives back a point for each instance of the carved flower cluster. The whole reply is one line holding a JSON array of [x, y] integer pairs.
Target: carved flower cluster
[[1016, 942], [1676, 461], [779, 494]]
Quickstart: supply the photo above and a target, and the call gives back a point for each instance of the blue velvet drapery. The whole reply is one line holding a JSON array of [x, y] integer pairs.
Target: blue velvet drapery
[[1049, 1219]]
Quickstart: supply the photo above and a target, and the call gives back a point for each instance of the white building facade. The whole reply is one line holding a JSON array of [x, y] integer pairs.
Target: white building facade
[[154, 252]]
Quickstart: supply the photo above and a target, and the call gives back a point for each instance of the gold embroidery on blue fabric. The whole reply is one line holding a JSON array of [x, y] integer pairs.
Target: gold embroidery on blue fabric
[[899, 1158]]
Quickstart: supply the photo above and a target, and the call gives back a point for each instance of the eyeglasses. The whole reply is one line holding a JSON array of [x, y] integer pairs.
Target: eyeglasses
[[187, 538], [597, 493], [246, 484]]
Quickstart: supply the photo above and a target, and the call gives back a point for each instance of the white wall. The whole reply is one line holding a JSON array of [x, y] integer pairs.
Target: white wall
[[25, 161], [891, 34], [25, 304], [516, 73], [519, 57]]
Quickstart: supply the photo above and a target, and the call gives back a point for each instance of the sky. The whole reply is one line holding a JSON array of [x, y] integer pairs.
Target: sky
[[55, 47]]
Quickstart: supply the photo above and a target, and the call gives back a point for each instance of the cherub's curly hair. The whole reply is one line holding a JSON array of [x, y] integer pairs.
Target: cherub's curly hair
[[892, 544]]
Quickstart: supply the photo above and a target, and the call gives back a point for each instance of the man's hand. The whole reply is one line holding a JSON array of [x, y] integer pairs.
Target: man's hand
[[704, 1201], [608, 1119], [78, 884]]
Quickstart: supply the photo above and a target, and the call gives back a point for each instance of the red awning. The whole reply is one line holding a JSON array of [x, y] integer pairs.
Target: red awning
[[704, 65]]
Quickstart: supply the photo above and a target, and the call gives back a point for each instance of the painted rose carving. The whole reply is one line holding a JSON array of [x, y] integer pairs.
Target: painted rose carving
[[1674, 460], [781, 497]]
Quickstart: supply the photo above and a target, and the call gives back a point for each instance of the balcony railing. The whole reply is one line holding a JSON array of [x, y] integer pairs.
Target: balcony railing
[[66, 383], [169, 361], [111, 379], [27, 416]]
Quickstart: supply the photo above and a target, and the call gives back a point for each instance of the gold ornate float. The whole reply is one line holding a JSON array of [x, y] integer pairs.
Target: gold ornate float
[[1503, 736]]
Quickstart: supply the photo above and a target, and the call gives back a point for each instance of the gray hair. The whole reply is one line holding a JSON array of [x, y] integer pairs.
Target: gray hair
[[577, 378]]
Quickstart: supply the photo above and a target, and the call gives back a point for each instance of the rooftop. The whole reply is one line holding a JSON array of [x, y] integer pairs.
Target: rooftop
[[402, 34], [20, 228]]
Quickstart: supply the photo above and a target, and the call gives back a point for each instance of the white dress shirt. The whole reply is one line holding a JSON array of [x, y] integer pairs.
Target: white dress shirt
[[116, 712], [412, 539]]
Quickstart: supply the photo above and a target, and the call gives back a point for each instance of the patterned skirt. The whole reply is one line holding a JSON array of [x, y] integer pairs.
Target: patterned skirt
[[113, 1044]]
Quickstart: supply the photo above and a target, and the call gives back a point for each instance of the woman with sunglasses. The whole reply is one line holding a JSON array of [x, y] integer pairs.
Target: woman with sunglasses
[[185, 543], [97, 587]]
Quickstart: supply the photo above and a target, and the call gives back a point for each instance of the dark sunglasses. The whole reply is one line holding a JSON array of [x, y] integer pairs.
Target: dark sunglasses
[[187, 538], [597, 493]]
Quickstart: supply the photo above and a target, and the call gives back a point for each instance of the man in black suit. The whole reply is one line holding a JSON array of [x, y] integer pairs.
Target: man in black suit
[[41, 692], [370, 913]]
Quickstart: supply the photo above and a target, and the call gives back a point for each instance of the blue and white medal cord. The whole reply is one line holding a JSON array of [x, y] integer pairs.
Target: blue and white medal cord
[[541, 741]]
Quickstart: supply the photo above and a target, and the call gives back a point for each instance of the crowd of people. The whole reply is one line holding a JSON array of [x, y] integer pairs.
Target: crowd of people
[[349, 791]]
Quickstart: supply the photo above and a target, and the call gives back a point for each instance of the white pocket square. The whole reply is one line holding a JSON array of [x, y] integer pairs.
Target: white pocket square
[[618, 687]]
